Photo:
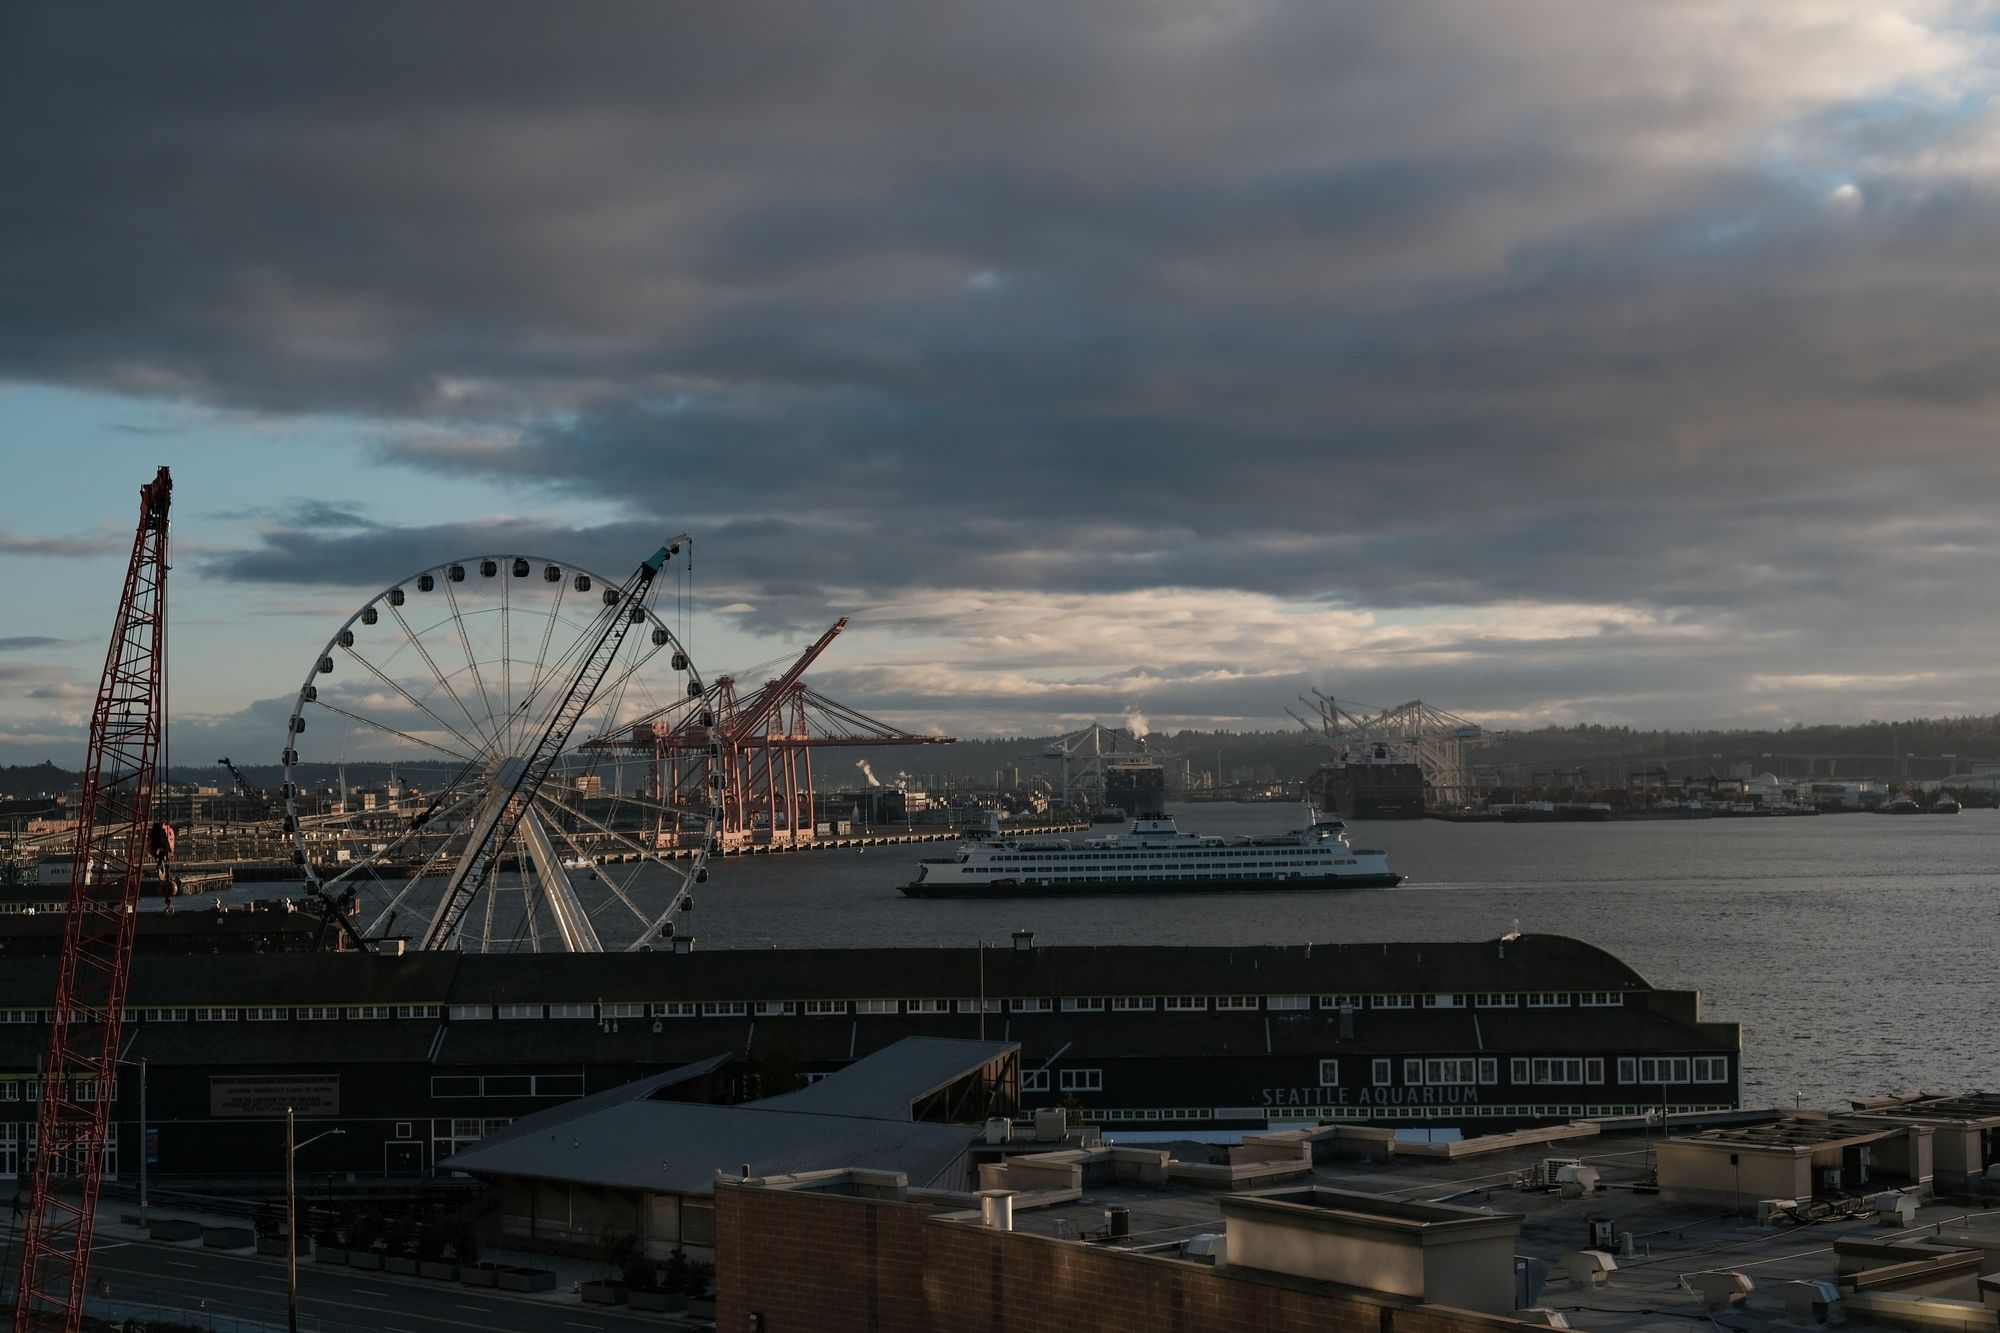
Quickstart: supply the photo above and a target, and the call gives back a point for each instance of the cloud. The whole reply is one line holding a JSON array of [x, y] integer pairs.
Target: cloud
[[62, 547], [21, 641]]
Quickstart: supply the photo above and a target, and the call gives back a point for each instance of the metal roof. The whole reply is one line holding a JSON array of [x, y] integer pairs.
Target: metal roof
[[677, 1147], [884, 1085]]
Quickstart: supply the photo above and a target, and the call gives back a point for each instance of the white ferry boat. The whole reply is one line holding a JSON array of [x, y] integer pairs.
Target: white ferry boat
[[1154, 857]]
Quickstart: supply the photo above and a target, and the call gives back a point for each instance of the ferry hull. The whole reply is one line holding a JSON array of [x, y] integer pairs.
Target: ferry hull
[[1018, 889]]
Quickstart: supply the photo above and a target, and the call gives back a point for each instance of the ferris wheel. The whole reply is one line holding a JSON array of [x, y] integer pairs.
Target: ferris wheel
[[443, 783]]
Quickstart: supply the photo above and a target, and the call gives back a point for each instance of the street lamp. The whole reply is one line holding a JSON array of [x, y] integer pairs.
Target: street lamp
[[292, 1219]]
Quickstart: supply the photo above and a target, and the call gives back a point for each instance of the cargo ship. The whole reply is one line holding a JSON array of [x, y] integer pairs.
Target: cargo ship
[[1374, 782], [1154, 856]]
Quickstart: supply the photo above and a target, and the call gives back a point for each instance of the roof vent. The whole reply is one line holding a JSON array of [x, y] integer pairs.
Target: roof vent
[[1024, 941]]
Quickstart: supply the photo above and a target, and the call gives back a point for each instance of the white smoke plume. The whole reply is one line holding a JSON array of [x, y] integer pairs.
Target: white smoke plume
[[867, 772], [1136, 723]]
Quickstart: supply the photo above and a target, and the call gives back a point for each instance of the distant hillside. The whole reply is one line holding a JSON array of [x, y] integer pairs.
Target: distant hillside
[[18, 780]]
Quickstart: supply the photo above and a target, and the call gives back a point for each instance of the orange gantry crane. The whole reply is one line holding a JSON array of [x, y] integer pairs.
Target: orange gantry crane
[[762, 740], [115, 836]]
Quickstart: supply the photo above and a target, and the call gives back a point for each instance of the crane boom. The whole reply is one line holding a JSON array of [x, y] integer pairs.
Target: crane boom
[[766, 701], [516, 779], [114, 835]]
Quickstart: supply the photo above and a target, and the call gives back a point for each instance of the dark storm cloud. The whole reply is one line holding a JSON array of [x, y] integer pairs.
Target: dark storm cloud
[[1397, 308]]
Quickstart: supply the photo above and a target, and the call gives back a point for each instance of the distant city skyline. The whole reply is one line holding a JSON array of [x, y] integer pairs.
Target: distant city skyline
[[1126, 363]]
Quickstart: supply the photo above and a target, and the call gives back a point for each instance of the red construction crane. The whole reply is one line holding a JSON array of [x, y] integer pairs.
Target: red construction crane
[[115, 837], [764, 739]]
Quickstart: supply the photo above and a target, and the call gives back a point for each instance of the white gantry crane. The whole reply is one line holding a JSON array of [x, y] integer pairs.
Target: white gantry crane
[[1434, 739]]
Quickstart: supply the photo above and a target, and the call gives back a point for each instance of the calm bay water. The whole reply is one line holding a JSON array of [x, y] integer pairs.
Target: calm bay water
[[1856, 950]]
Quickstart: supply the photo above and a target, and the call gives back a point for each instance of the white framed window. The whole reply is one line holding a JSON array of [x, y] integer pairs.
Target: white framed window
[[418, 1011], [1548, 999], [1185, 1002], [265, 1014], [10, 1091], [520, 1011], [1557, 1069], [878, 1006], [1664, 1069], [1711, 1069], [1031, 1004], [1287, 1002], [574, 1011], [1379, 1073], [1081, 1080], [826, 1008], [623, 1011], [1235, 1002], [924, 1007], [361, 1012], [724, 1008], [471, 1012], [1451, 1072], [675, 1008], [976, 1006], [150, 1015], [772, 1008], [1329, 1073], [1340, 1001], [1517, 1070], [1131, 1003], [1445, 1001], [1034, 1080], [1083, 1004], [402, 1129], [1497, 1000], [1489, 1072], [454, 1085], [1628, 1069], [215, 1015], [1413, 1072], [318, 1013], [1593, 1070], [1392, 1002], [1600, 999]]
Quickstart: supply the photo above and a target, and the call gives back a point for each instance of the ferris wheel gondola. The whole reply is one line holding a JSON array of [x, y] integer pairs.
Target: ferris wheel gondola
[[467, 694]]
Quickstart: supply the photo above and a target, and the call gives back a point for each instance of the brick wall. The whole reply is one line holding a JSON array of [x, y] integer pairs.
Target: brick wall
[[820, 1263]]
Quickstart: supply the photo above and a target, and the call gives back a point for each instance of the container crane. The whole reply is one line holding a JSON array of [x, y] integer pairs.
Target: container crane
[[115, 836], [242, 783]]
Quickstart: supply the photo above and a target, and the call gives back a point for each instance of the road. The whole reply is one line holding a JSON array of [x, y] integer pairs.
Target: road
[[335, 1300]]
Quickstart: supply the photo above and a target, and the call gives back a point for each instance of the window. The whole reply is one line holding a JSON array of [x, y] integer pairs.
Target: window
[[1628, 1069], [1186, 1002], [1392, 1001], [1340, 1001], [1517, 1070], [558, 1085], [1601, 999], [1379, 1073], [494, 1126], [1711, 1069], [1497, 1000], [977, 1006], [10, 1091], [1664, 1070], [455, 1085], [150, 1015], [1329, 1073], [675, 1009], [624, 1011], [507, 1085], [1082, 1080], [264, 1014], [1032, 1004], [774, 1008], [574, 1011], [1593, 1070], [320, 1013], [366, 1011], [402, 1129], [1547, 999], [1413, 1072], [1034, 1080], [723, 1008], [1451, 1073], [215, 1015], [1125, 1003], [924, 1007], [1489, 1072], [520, 1011], [1557, 1070], [876, 1006], [471, 1011], [1083, 1004], [418, 1011], [1283, 1002], [1445, 1001], [1235, 1002]]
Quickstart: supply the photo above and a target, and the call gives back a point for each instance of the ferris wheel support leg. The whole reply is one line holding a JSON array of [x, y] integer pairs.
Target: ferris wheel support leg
[[572, 922]]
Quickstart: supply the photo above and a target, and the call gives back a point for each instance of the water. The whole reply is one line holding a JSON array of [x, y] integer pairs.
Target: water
[[1856, 950]]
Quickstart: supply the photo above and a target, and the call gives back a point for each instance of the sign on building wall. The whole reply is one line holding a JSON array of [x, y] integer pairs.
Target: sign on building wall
[[270, 1094]]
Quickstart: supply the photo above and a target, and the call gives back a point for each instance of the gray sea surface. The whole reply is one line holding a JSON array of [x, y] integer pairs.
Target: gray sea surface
[[1858, 951]]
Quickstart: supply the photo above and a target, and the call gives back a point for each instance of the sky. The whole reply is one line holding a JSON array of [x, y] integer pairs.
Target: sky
[[1153, 362]]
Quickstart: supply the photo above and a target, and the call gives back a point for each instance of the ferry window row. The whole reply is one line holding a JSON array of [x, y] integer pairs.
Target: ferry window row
[[846, 1008]]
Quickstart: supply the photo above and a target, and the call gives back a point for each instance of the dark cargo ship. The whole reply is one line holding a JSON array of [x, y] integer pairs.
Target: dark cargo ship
[[1373, 783]]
